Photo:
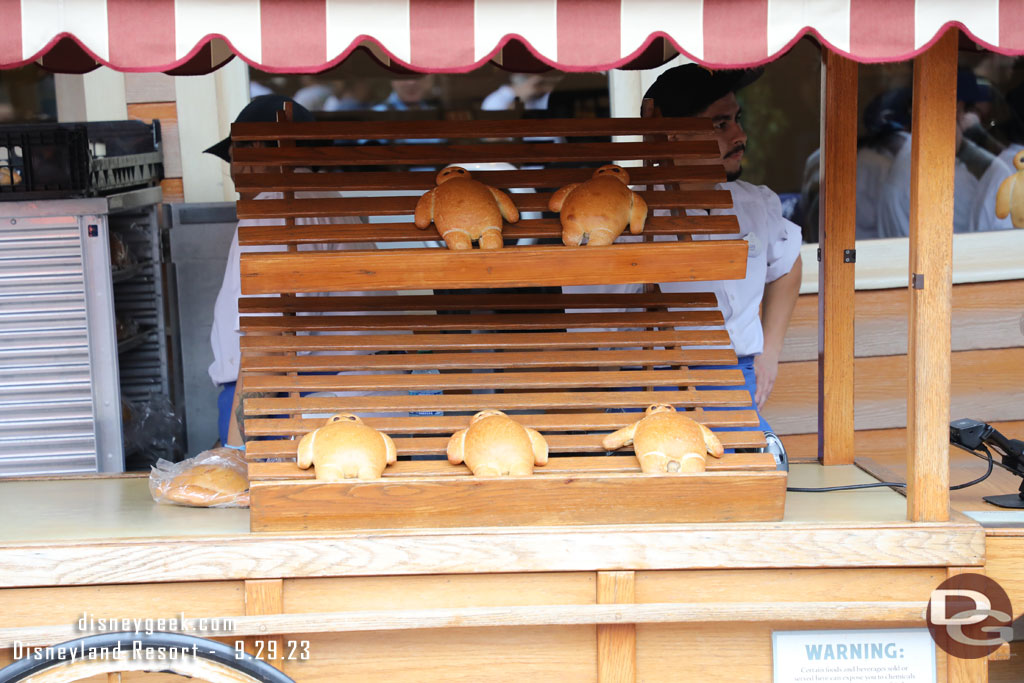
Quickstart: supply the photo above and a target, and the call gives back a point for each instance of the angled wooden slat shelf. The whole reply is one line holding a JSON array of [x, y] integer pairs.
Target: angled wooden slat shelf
[[487, 380], [417, 367], [557, 465], [308, 207], [435, 446], [396, 269], [487, 342], [545, 400], [695, 152], [508, 321], [697, 129], [545, 422], [550, 228], [689, 177], [472, 302], [477, 361]]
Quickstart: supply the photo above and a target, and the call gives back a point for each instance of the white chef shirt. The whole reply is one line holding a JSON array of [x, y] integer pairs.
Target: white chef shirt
[[973, 199], [773, 247], [226, 330]]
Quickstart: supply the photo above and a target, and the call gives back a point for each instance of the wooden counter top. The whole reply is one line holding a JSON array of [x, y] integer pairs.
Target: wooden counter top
[[107, 530]]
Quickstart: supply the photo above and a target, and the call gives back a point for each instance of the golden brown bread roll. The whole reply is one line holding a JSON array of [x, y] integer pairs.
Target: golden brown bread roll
[[207, 485], [667, 441], [345, 448], [465, 210], [495, 445], [1010, 198], [600, 208]]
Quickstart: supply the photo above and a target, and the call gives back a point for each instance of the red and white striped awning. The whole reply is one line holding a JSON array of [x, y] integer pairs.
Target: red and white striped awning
[[304, 36]]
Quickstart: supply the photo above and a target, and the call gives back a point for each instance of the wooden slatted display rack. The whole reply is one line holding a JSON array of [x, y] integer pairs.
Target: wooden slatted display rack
[[573, 366]]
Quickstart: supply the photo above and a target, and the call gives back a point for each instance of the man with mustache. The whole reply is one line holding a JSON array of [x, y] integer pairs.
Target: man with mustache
[[773, 257]]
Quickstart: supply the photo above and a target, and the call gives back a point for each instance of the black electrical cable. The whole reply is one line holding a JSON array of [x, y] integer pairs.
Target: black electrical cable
[[983, 477], [894, 484]]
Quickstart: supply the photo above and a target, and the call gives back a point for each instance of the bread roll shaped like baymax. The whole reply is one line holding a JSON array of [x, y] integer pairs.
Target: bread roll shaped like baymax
[[345, 448], [1010, 198], [600, 208], [465, 210], [667, 441], [495, 445]]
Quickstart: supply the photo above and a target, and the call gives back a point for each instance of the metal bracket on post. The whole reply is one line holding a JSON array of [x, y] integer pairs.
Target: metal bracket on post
[[849, 255], [917, 281], [819, 254]]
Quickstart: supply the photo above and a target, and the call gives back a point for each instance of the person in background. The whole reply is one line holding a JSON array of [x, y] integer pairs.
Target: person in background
[[977, 175], [226, 332], [531, 90], [757, 309], [410, 94], [887, 124]]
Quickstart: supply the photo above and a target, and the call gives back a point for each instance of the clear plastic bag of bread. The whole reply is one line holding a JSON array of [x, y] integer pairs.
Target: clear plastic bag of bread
[[214, 478]]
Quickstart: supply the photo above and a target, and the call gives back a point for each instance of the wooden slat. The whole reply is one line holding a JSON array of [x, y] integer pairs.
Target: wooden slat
[[960, 670], [499, 321], [931, 256], [690, 128], [616, 643], [688, 398], [694, 152], [467, 361], [398, 269], [838, 232], [400, 205], [262, 597], [544, 422], [488, 380], [256, 235], [560, 465], [689, 177], [444, 502], [487, 302], [487, 342], [437, 445]]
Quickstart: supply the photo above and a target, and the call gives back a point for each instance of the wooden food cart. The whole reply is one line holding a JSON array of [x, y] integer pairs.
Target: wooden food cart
[[589, 570]]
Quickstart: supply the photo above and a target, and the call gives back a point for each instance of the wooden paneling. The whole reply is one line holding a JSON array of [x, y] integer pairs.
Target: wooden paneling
[[1003, 563], [446, 502], [167, 113], [836, 281], [616, 643], [397, 269], [66, 605], [468, 655], [986, 315], [985, 385], [427, 592]]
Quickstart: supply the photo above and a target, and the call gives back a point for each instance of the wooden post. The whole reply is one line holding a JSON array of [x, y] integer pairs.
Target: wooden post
[[931, 269], [616, 643], [837, 232], [265, 596]]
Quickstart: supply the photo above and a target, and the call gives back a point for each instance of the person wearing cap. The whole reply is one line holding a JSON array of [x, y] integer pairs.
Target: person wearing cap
[[774, 267], [226, 331], [977, 175], [773, 254]]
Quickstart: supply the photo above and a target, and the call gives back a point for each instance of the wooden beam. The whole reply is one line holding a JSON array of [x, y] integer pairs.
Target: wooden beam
[[616, 643], [931, 283], [263, 597], [837, 230], [966, 670]]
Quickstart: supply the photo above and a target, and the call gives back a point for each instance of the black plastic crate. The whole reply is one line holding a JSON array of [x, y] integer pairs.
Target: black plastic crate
[[62, 160]]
